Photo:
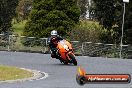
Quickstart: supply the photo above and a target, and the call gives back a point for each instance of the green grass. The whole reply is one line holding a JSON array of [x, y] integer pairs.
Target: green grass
[[13, 73], [19, 27], [18, 30]]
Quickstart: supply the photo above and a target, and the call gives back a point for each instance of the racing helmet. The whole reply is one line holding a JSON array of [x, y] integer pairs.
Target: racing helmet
[[54, 33]]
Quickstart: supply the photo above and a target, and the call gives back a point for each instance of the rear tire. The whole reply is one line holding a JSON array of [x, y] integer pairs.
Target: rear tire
[[74, 61]]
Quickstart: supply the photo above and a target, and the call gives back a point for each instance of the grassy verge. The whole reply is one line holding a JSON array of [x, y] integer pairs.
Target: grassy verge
[[19, 27], [13, 73]]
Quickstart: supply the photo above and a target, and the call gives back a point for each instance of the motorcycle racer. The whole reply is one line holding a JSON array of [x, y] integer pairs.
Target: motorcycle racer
[[52, 42]]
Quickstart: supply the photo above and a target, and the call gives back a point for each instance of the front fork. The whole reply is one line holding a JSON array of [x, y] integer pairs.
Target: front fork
[[68, 58]]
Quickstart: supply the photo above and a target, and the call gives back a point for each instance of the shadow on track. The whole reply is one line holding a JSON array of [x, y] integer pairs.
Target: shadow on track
[[59, 64]]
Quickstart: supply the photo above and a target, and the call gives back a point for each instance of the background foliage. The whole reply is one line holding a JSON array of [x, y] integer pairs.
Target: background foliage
[[109, 14], [63, 15], [47, 15], [23, 9], [83, 5], [7, 12], [87, 31]]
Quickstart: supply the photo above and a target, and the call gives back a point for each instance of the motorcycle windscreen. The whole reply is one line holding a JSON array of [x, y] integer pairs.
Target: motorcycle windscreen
[[62, 51], [66, 45], [61, 47], [69, 45]]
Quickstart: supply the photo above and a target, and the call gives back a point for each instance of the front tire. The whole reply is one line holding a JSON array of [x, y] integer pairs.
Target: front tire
[[72, 57], [64, 62]]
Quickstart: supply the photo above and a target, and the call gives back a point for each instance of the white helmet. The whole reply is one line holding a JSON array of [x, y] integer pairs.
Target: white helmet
[[54, 32]]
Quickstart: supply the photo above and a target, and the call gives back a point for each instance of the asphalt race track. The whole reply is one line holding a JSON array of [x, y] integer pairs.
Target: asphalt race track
[[64, 76]]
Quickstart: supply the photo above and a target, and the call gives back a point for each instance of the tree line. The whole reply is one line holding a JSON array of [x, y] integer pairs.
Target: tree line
[[109, 13], [63, 15], [7, 12]]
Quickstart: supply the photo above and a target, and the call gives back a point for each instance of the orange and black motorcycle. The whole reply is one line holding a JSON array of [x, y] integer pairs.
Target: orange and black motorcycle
[[65, 52]]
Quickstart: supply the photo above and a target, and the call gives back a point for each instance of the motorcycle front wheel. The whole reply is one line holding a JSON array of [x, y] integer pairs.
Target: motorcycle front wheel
[[72, 57], [64, 62]]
